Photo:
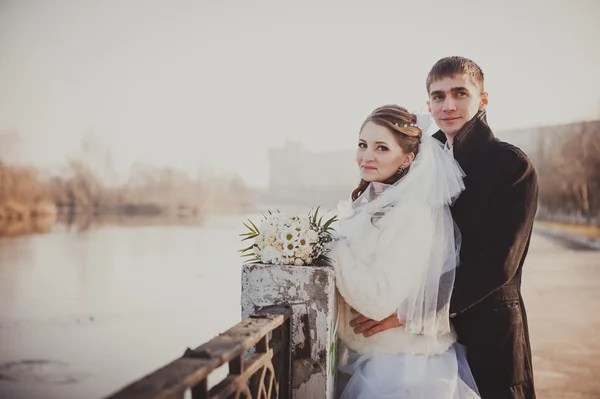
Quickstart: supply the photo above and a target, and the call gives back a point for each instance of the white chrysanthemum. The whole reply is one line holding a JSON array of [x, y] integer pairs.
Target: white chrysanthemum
[[260, 241], [288, 235], [297, 227], [312, 235], [283, 221], [304, 252], [288, 249], [302, 241], [271, 255], [271, 236], [305, 223], [265, 225]]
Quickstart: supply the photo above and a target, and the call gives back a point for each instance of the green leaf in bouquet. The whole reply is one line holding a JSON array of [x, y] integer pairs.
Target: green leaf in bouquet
[[249, 228], [314, 218], [250, 237], [329, 222], [246, 249], [253, 225]]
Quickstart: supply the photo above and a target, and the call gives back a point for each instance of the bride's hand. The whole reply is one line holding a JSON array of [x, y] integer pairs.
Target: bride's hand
[[368, 327]]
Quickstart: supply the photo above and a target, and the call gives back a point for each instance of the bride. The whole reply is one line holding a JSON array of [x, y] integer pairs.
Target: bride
[[394, 259]]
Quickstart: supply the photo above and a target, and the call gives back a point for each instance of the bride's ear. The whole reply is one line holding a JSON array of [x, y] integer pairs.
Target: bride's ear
[[410, 157]]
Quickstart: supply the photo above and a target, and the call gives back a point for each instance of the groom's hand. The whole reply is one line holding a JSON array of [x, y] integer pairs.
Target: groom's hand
[[368, 327]]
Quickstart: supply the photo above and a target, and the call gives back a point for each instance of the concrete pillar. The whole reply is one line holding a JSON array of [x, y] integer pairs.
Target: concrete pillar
[[310, 291]]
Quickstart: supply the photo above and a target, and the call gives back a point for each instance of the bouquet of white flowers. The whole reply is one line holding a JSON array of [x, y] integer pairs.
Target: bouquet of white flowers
[[284, 239]]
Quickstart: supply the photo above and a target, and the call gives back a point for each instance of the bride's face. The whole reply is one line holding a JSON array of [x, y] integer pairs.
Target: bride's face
[[379, 156]]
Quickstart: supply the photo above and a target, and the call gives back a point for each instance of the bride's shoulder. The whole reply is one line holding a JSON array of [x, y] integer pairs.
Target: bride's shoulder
[[414, 206], [344, 208], [407, 212]]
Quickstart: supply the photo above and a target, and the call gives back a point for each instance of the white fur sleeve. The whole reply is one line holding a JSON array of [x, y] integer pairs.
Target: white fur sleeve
[[379, 268]]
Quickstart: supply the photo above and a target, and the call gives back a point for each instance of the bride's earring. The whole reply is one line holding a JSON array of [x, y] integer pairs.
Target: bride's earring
[[401, 170]]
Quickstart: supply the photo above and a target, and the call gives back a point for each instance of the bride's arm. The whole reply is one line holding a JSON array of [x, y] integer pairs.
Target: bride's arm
[[375, 276], [359, 284]]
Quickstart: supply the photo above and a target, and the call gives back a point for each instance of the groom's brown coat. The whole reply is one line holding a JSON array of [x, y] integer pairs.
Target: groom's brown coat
[[495, 215]]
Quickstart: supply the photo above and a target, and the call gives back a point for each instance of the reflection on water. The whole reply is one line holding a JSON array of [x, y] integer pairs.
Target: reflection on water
[[89, 307], [25, 226], [85, 221]]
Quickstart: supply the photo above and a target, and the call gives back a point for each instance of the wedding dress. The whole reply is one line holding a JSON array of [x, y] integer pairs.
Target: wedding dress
[[395, 253]]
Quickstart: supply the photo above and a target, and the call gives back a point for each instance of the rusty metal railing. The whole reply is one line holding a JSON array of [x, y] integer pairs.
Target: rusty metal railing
[[258, 350]]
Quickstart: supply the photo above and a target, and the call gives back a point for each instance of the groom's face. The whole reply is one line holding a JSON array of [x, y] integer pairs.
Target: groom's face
[[453, 101]]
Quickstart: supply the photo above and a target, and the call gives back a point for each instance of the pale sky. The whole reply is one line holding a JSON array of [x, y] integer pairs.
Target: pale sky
[[199, 83]]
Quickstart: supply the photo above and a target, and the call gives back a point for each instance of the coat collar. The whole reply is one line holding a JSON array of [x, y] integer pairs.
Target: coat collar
[[470, 139]]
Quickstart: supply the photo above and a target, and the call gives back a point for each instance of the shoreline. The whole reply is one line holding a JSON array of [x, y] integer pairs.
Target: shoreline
[[583, 236]]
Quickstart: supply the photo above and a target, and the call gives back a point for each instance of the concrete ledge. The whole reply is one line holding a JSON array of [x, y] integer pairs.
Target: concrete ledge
[[310, 291]]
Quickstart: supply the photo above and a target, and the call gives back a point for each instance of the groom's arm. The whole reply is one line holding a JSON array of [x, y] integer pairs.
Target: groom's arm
[[493, 260]]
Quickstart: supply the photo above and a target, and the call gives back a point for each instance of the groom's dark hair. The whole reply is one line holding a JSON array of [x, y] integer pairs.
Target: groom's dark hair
[[449, 66]]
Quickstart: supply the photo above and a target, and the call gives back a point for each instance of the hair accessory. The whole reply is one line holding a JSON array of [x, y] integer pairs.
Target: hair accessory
[[406, 125], [411, 133]]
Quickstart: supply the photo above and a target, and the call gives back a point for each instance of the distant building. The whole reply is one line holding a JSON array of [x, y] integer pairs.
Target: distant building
[[300, 176]]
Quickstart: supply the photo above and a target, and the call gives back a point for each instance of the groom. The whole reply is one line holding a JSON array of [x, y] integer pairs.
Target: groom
[[495, 216]]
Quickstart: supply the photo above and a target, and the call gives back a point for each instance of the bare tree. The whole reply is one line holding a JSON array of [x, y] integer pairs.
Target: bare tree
[[568, 164]]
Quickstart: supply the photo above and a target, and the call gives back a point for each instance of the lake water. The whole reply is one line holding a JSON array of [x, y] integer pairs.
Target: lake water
[[83, 313]]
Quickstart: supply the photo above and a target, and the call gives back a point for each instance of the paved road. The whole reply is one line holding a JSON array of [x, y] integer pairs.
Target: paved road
[[561, 288]]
